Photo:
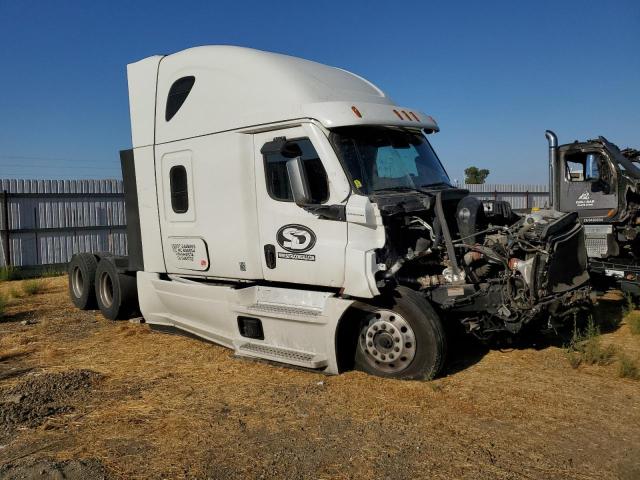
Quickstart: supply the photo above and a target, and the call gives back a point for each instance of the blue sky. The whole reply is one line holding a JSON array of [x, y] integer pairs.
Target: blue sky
[[495, 75]]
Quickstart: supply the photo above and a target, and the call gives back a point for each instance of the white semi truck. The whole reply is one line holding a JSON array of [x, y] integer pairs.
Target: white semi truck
[[292, 212]]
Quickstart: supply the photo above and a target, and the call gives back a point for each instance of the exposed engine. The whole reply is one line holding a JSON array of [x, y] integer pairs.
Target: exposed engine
[[493, 269]]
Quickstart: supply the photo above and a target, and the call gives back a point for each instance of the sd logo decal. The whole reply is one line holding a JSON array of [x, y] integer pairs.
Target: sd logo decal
[[296, 238]]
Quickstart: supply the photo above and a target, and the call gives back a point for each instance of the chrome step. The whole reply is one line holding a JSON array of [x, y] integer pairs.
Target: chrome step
[[280, 309], [278, 354]]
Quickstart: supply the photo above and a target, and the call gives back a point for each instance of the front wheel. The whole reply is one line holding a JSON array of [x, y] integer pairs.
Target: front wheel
[[401, 336]]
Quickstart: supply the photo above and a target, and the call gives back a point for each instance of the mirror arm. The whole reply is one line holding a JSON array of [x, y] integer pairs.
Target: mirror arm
[[328, 212], [302, 194], [298, 182]]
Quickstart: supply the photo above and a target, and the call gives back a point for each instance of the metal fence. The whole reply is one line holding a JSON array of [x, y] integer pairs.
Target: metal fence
[[521, 196], [44, 222]]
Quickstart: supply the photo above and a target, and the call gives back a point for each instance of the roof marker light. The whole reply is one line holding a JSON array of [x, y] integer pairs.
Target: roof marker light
[[356, 111], [398, 114], [416, 118], [406, 115]]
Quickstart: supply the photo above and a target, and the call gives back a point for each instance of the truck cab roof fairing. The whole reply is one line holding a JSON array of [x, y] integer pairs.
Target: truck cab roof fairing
[[237, 87]]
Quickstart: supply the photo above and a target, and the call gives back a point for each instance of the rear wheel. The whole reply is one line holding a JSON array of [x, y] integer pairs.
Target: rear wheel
[[401, 336], [116, 292], [82, 272]]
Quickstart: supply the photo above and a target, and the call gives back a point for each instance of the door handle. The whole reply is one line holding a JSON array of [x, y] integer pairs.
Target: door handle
[[270, 256]]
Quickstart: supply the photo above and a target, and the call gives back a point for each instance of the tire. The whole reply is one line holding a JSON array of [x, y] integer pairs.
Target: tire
[[401, 336], [82, 273], [116, 293]]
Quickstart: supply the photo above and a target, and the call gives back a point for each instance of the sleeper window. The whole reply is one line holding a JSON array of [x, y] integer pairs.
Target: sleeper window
[[278, 178], [179, 189], [178, 93]]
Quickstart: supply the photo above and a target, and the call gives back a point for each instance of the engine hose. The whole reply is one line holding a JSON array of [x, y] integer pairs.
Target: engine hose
[[487, 252]]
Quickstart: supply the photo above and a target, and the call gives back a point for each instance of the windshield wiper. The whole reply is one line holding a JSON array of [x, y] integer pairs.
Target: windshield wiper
[[436, 184], [398, 189]]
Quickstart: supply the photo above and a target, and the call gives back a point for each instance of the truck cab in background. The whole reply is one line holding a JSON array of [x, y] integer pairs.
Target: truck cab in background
[[599, 182], [293, 212]]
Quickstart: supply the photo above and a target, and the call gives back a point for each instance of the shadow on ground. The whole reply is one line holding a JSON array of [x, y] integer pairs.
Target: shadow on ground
[[465, 350]]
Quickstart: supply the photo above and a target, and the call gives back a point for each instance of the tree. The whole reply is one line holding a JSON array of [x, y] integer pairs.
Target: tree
[[475, 175]]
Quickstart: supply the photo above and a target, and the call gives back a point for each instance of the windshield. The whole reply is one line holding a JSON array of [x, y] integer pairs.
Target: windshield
[[381, 158]]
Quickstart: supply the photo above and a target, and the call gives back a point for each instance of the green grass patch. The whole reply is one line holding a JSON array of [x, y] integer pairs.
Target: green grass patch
[[629, 304], [586, 348], [3, 305], [627, 367], [52, 272], [8, 273], [633, 319], [33, 286]]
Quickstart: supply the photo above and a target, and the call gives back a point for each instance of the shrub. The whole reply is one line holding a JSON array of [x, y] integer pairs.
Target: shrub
[[627, 367], [595, 354], [33, 287], [585, 347]]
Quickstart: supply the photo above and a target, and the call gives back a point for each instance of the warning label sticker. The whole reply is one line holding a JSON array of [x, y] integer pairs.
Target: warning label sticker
[[188, 253], [184, 252]]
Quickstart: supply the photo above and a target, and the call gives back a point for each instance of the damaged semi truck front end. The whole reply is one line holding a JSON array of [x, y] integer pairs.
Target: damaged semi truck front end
[[293, 212], [493, 278]]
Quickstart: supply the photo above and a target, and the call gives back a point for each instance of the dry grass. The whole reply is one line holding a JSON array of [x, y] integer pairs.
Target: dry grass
[[15, 292], [176, 407], [13, 353]]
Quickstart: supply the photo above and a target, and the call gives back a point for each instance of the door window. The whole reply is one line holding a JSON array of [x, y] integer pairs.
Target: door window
[[278, 179], [179, 189], [583, 167]]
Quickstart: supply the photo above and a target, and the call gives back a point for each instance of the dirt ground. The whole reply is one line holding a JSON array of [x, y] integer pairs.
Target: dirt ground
[[83, 397]]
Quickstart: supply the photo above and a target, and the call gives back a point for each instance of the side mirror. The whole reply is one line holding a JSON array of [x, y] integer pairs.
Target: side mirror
[[298, 182]]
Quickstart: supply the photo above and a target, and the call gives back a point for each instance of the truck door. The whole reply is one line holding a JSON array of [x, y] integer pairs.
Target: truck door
[[185, 251], [298, 246], [587, 184]]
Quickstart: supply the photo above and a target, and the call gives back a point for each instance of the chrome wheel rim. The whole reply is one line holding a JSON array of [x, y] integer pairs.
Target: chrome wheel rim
[[77, 282], [388, 342], [106, 289]]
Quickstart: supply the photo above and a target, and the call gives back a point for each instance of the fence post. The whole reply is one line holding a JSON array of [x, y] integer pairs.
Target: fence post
[[6, 244], [527, 202]]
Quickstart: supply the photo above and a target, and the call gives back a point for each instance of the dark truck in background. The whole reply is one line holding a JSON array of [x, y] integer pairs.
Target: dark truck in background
[[599, 181]]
